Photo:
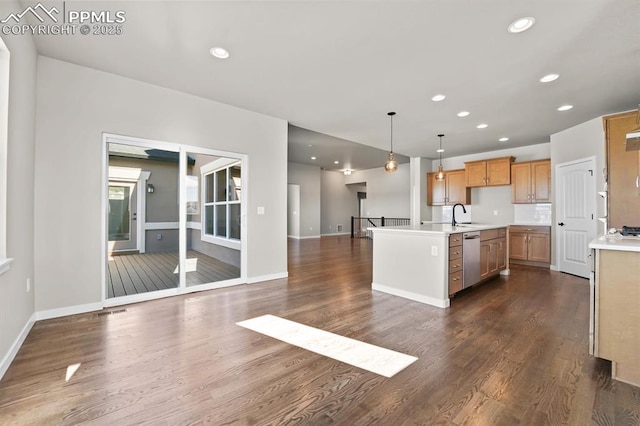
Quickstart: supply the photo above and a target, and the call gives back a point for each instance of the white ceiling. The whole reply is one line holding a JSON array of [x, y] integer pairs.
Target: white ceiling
[[338, 67]]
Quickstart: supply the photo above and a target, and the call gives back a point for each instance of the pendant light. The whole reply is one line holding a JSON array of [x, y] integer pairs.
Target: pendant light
[[391, 165], [440, 174]]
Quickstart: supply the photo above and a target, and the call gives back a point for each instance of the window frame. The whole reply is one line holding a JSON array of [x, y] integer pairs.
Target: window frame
[[212, 169], [5, 60]]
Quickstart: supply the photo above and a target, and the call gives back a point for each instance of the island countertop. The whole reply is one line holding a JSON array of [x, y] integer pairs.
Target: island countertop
[[616, 242], [436, 228]]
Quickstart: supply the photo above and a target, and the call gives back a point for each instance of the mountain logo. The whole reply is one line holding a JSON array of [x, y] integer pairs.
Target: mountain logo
[[38, 11]]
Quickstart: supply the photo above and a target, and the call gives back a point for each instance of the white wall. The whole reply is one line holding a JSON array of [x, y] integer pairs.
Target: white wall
[[582, 141], [486, 200], [339, 202], [75, 105], [16, 305], [388, 194], [308, 177]]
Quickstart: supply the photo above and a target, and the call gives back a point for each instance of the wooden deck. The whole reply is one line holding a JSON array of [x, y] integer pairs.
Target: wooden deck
[[142, 273]]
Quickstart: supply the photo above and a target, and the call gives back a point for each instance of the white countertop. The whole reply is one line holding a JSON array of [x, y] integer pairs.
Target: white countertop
[[616, 242], [529, 224], [436, 228]]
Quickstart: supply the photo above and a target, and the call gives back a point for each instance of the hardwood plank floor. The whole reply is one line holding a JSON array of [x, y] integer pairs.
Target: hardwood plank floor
[[511, 351]]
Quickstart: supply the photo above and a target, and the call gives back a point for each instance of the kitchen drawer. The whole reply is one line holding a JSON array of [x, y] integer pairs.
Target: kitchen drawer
[[530, 229], [489, 234], [455, 240], [455, 252], [502, 232], [455, 282], [455, 265]]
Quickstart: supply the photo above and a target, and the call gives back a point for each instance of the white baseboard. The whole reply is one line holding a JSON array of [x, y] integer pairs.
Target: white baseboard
[[69, 310], [554, 267], [335, 234], [412, 296], [505, 272], [261, 278], [303, 238], [17, 344]]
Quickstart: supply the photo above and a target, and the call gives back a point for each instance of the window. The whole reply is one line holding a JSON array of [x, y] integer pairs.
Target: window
[[4, 122], [221, 215]]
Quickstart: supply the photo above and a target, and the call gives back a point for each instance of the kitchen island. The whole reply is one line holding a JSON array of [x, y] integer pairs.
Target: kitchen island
[[425, 262], [614, 331]]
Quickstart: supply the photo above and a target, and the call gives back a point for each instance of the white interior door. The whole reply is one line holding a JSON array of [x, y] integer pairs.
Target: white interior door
[[575, 215], [293, 210], [123, 214]]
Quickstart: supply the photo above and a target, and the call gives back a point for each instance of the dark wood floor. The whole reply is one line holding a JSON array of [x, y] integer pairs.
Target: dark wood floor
[[512, 351], [142, 273]]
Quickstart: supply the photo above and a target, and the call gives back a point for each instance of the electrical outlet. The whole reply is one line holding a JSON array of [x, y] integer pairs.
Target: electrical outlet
[[159, 236], [28, 285], [434, 250], [495, 212]]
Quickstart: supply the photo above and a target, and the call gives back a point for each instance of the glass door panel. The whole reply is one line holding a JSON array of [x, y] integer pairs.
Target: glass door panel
[[213, 244], [143, 235]]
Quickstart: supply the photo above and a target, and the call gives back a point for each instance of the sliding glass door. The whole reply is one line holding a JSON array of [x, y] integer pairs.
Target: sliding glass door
[[173, 220]]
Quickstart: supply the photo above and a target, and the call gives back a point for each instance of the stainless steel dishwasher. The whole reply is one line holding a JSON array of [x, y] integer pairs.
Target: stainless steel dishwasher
[[470, 258]]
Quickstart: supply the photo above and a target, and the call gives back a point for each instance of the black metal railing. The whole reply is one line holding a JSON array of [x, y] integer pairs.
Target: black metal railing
[[359, 225]]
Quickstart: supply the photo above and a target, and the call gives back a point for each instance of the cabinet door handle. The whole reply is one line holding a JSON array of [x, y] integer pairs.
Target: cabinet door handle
[[456, 279], [637, 181]]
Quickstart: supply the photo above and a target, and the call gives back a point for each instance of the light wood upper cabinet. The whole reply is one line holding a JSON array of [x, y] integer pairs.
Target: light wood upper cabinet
[[493, 172], [531, 182], [623, 171], [449, 191]]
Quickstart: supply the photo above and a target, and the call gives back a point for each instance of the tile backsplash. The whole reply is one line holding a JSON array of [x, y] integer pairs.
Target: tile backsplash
[[532, 213]]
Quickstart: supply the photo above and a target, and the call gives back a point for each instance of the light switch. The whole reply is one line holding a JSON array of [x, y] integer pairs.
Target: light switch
[[260, 210]]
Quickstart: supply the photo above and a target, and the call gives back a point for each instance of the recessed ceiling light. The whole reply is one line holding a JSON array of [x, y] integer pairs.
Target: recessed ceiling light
[[549, 78], [313, 158], [521, 24], [309, 145], [482, 126], [440, 150], [219, 52], [565, 107], [503, 139], [438, 98], [336, 162], [463, 113]]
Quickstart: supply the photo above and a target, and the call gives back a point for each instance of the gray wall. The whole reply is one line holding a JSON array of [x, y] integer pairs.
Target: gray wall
[[16, 305], [582, 141], [75, 105], [308, 177], [225, 254], [388, 194], [339, 202], [162, 204]]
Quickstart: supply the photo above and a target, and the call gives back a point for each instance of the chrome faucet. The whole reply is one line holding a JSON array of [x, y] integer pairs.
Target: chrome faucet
[[453, 213]]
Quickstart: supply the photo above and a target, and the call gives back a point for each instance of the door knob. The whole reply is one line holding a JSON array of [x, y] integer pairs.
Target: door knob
[[561, 224]]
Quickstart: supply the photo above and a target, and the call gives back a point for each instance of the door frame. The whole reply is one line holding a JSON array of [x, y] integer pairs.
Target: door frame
[[139, 177], [182, 151], [558, 195]]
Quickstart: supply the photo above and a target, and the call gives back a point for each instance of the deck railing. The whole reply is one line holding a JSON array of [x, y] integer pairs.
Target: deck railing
[[359, 225]]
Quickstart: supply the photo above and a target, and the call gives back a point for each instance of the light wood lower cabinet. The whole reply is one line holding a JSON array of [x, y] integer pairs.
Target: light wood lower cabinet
[[493, 257], [530, 245], [455, 263], [616, 316]]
